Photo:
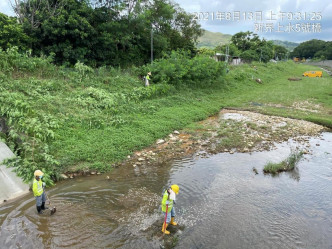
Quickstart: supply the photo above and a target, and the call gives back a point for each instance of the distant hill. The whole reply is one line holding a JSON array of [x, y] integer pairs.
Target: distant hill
[[212, 39], [289, 45]]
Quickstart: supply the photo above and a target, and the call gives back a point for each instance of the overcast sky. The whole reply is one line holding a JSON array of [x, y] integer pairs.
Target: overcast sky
[[291, 20]]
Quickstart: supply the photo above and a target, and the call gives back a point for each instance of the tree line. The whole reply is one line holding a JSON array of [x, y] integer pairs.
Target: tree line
[[99, 32], [250, 47], [314, 49]]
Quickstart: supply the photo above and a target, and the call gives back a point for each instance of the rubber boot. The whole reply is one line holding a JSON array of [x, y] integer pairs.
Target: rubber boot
[[163, 229], [39, 210], [173, 222], [43, 206]]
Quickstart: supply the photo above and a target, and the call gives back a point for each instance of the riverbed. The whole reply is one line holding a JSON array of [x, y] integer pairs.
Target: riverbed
[[222, 203]]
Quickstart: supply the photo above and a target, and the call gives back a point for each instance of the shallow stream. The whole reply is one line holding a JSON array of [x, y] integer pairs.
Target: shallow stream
[[222, 204]]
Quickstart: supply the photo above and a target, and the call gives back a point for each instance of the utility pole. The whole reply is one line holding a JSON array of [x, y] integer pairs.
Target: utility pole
[[227, 54], [151, 44]]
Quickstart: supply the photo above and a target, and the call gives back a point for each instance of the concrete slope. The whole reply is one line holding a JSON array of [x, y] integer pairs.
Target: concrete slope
[[11, 186]]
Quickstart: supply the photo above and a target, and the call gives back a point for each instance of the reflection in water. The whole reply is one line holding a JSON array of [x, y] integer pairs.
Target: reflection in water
[[221, 204]]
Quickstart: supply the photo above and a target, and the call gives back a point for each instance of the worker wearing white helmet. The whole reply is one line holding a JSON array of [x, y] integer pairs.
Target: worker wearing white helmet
[[38, 191], [168, 208]]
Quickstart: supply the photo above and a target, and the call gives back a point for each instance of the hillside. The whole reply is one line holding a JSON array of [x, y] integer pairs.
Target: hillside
[[212, 39], [289, 45]]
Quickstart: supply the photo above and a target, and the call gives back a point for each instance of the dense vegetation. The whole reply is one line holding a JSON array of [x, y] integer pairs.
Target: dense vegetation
[[316, 49], [250, 47], [90, 118], [116, 33]]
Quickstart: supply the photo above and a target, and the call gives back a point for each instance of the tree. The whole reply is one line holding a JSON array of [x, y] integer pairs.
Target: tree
[[29, 11], [11, 33], [245, 40], [280, 52], [251, 48], [105, 32], [308, 49], [250, 55]]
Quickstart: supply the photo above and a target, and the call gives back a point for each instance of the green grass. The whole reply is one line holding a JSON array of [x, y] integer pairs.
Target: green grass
[[277, 95], [286, 165]]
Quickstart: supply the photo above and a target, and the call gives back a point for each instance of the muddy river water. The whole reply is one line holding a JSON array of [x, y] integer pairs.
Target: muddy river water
[[222, 203]]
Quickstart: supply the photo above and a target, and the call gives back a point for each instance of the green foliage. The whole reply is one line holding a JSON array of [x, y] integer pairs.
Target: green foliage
[[233, 50], [314, 49], [286, 165], [11, 61], [250, 55], [280, 52], [179, 69], [206, 51], [83, 70], [252, 48], [11, 34], [104, 35]]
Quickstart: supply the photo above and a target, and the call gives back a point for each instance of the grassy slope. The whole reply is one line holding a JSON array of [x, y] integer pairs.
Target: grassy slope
[[96, 137], [151, 119], [277, 90]]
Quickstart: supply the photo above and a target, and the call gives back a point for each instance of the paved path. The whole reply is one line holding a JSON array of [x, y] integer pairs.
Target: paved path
[[11, 186]]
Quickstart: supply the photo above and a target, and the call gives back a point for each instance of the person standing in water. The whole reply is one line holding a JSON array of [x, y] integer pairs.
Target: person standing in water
[[38, 191], [167, 207]]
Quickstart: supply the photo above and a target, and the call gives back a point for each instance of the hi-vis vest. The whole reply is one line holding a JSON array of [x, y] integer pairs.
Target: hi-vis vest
[[37, 187], [163, 202]]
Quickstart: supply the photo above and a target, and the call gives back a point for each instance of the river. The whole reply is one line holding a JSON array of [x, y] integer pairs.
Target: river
[[222, 203]]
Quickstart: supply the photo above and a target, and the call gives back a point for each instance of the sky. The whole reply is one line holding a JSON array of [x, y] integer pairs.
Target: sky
[[290, 20]]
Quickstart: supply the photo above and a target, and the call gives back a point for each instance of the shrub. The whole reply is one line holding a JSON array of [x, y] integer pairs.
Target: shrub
[[179, 69], [286, 165], [13, 61]]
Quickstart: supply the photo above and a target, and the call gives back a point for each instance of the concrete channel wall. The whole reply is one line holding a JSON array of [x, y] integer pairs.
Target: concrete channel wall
[[11, 185]]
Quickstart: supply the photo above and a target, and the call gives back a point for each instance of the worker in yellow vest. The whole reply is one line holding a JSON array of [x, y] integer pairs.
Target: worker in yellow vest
[[167, 207], [38, 191], [147, 79]]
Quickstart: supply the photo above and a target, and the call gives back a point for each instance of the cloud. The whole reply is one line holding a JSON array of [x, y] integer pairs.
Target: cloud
[[278, 7], [6, 8]]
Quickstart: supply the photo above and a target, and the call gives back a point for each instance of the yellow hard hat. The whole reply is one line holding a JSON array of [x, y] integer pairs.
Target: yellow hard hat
[[175, 188], [38, 173]]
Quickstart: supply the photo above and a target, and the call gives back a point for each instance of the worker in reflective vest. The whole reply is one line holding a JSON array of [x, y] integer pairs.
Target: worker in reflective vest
[[38, 191], [147, 78], [168, 208]]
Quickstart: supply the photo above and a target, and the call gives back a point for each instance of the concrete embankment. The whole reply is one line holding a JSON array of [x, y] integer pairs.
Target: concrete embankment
[[11, 185]]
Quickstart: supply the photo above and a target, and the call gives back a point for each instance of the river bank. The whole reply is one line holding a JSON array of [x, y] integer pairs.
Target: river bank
[[273, 111], [92, 125], [231, 131]]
